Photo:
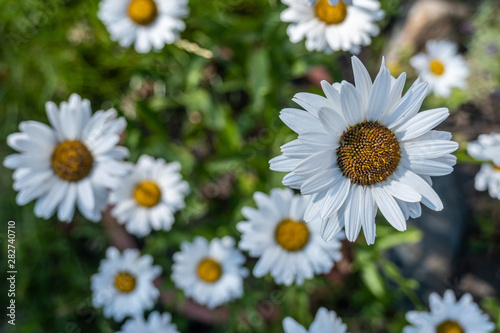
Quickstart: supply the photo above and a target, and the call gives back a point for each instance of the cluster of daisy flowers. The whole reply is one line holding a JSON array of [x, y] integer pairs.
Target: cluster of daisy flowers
[[360, 149], [363, 146]]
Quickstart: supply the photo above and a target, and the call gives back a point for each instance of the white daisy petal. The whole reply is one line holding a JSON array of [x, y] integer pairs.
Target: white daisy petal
[[362, 80], [325, 321], [155, 323], [422, 123], [300, 121], [389, 208], [486, 148]]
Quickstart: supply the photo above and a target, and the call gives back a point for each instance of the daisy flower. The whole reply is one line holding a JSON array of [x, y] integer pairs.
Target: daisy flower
[[331, 25], [363, 148], [156, 323], [325, 321], [70, 164], [288, 248], [448, 315], [487, 148], [124, 284], [209, 272], [149, 196], [149, 24], [442, 67], [331, 2]]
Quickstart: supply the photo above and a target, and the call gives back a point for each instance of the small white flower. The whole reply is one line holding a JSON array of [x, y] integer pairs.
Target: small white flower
[[442, 67], [325, 322], [448, 315], [331, 25], [157, 323], [150, 24], [487, 148], [124, 284], [331, 2], [149, 196], [209, 272], [70, 164], [363, 148], [288, 248]]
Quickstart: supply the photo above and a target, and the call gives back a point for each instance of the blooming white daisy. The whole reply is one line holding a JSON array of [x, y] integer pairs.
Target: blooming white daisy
[[487, 148], [363, 148], [124, 284], [442, 67], [331, 2], [210, 272], [448, 315], [149, 196], [156, 323], [288, 248], [150, 24], [325, 321], [69, 164], [331, 25]]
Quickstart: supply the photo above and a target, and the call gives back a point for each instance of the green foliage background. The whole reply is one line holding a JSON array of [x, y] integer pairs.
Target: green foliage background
[[217, 116]]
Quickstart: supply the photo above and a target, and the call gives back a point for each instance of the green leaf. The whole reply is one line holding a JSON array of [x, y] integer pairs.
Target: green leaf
[[395, 238]]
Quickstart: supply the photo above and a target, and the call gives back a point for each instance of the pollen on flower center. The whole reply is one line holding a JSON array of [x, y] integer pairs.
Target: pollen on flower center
[[72, 161], [436, 67], [292, 235], [143, 12], [147, 194], [125, 282], [368, 153], [331, 14], [449, 327], [209, 270]]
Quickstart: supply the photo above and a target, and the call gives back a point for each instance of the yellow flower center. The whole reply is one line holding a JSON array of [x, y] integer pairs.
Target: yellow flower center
[[331, 14], [125, 282], [496, 167], [449, 327], [292, 235], [368, 153], [436, 67], [143, 12], [147, 194], [209, 270], [72, 161]]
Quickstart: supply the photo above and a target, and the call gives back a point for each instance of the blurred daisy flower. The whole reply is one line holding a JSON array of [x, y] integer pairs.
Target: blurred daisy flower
[[331, 2], [149, 196], [325, 321], [331, 25], [363, 148], [487, 148], [288, 248], [149, 24], [156, 323], [442, 67], [71, 164], [124, 284], [448, 315], [210, 272]]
